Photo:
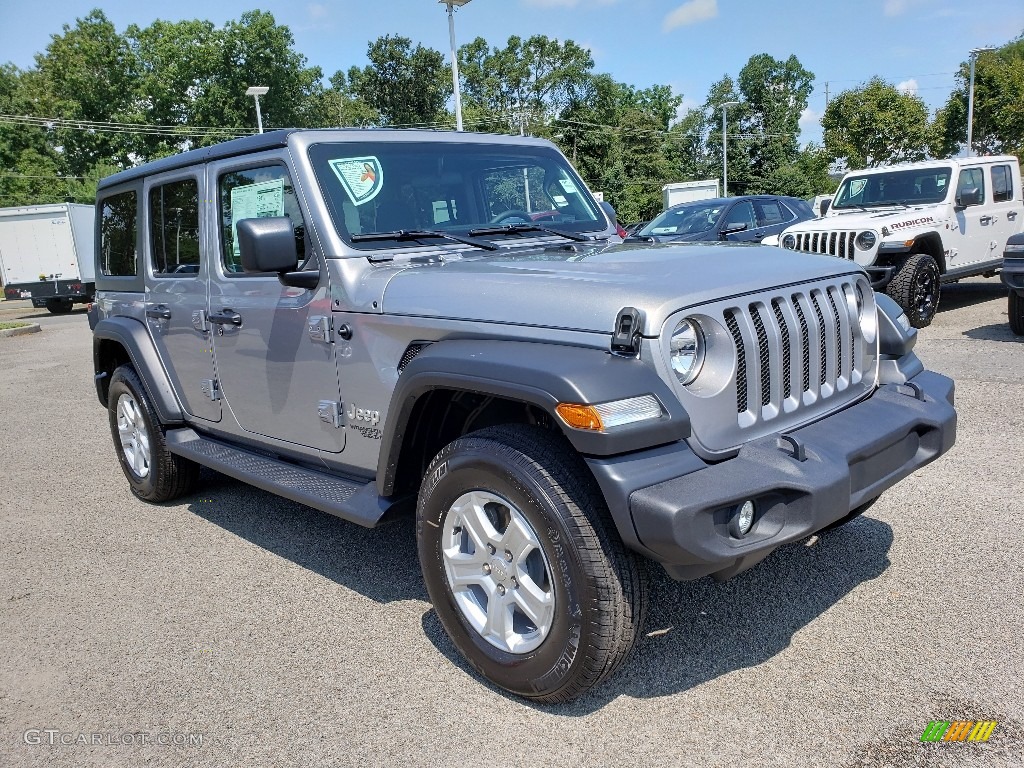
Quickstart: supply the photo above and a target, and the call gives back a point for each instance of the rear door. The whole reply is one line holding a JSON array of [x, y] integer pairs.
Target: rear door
[[177, 270], [1006, 208]]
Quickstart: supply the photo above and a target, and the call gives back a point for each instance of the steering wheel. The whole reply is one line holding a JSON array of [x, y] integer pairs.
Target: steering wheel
[[513, 213]]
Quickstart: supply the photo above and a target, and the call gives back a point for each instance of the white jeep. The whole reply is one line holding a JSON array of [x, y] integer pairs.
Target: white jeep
[[915, 226]]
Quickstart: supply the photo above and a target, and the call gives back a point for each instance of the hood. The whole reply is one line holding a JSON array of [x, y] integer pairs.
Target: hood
[[873, 218], [584, 291]]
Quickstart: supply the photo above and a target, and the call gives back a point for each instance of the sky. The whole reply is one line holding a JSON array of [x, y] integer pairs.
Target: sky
[[917, 45]]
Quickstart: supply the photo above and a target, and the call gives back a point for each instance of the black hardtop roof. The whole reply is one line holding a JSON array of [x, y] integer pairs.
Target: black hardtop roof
[[233, 148], [274, 139]]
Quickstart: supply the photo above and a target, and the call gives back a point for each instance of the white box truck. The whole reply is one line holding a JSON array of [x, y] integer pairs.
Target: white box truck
[[46, 254], [688, 191]]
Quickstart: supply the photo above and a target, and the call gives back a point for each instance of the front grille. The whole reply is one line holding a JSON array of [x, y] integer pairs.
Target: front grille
[[795, 350], [830, 243]]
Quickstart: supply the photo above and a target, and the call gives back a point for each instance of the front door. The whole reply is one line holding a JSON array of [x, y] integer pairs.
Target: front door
[[178, 250], [970, 236], [272, 343]]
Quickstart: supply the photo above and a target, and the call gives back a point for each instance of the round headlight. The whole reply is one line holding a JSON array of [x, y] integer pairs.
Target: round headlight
[[789, 241], [687, 350], [866, 240]]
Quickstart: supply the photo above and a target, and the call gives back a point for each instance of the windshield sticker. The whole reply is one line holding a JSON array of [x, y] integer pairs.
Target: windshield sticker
[[255, 201], [362, 177]]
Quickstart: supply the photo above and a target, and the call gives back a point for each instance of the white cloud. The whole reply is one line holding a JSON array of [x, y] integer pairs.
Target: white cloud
[[692, 12], [317, 11], [908, 87], [810, 119], [566, 3], [899, 7]]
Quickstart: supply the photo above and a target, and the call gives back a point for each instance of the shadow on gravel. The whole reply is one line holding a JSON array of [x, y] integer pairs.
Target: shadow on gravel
[[960, 295], [699, 630], [695, 631], [379, 563], [994, 332]]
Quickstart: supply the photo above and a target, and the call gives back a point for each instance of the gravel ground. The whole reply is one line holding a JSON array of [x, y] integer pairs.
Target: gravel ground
[[277, 635]]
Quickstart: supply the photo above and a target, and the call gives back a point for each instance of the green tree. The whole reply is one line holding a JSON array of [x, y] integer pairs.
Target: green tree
[[405, 85], [998, 105], [774, 95], [524, 85], [876, 124]]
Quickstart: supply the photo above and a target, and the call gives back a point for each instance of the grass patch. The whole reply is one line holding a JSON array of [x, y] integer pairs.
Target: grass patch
[[14, 324]]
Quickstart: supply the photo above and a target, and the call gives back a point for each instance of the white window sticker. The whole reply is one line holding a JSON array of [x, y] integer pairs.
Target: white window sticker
[[362, 177], [568, 186], [255, 201]]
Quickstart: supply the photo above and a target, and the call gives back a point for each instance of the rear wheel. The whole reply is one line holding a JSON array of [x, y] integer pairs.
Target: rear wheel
[[154, 473], [1015, 309], [523, 563], [915, 287]]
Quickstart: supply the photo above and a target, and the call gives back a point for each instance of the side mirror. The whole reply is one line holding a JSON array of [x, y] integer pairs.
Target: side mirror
[[823, 208], [267, 245], [968, 197], [731, 230]]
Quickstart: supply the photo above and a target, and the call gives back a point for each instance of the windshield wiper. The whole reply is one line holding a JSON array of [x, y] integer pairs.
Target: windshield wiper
[[518, 229], [419, 234]]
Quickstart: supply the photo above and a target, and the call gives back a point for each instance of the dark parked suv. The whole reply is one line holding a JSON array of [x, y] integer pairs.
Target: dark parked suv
[[371, 322], [748, 218]]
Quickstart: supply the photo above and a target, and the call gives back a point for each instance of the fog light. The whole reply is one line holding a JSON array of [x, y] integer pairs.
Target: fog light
[[742, 521]]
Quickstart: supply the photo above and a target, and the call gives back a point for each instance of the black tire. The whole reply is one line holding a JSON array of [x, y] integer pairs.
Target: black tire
[[59, 306], [599, 589], [166, 475], [915, 287], [1015, 309]]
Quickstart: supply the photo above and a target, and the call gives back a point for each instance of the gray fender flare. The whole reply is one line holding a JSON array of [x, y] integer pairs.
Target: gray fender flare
[[133, 337], [540, 374]]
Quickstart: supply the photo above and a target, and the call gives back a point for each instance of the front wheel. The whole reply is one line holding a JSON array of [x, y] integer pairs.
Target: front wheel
[[1015, 309], [523, 564], [915, 287]]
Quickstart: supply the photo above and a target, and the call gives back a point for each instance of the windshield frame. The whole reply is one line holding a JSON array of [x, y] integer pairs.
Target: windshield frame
[[416, 166]]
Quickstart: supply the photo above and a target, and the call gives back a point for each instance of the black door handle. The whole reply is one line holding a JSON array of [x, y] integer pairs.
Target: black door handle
[[985, 219], [226, 317], [159, 312]]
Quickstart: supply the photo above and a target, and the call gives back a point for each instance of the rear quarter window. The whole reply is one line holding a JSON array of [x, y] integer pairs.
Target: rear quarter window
[[119, 235]]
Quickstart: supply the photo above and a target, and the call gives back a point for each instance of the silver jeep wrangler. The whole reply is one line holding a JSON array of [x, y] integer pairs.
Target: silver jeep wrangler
[[367, 321]]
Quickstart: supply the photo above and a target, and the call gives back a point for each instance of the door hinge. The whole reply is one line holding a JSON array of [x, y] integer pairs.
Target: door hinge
[[319, 327], [330, 412], [211, 389]]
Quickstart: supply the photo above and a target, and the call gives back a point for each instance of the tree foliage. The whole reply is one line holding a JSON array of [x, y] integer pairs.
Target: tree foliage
[[405, 85], [998, 105], [876, 124]]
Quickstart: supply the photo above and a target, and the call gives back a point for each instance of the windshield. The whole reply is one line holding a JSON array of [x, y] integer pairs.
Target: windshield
[[685, 220], [382, 187], [909, 187]]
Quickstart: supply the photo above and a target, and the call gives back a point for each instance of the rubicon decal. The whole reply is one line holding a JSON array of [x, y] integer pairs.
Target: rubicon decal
[[959, 730], [912, 222]]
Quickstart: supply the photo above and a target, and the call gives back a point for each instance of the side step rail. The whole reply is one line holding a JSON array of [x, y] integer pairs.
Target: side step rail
[[348, 499]]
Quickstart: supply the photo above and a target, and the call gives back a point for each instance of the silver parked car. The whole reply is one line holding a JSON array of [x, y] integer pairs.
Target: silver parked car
[[369, 322]]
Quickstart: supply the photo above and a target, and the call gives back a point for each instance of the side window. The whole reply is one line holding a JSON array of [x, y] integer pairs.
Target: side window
[[174, 228], [118, 227], [741, 213], [971, 178], [1002, 184], [256, 193], [772, 213]]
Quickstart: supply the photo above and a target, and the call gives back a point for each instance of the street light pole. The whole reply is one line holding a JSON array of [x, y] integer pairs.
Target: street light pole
[[256, 91], [970, 99], [455, 58], [725, 151]]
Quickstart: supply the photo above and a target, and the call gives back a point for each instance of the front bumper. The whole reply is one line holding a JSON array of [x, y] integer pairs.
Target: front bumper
[[1013, 274], [849, 458]]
